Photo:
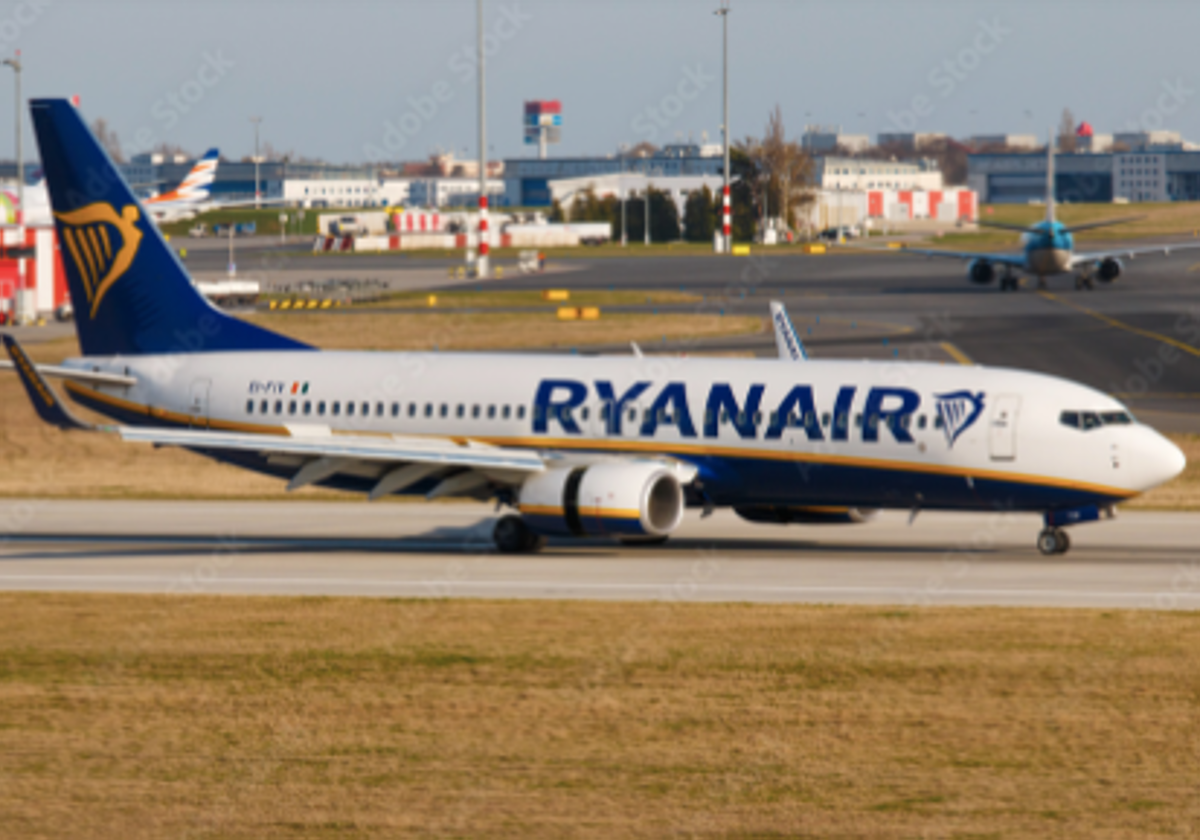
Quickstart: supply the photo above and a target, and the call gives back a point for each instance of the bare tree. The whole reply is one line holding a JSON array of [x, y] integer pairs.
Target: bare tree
[[1066, 131], [783, 167], [108, 139]]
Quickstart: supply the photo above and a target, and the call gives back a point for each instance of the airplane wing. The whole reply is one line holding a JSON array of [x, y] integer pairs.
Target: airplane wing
[[1015, 260], [1130, 253], [786, 339]]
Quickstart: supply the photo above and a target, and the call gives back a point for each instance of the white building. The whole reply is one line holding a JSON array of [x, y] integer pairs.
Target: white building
[[1011, 141], [1140, 177], [332, 192], [633, 185], [453, 192], [839, 173], [1138, 141]]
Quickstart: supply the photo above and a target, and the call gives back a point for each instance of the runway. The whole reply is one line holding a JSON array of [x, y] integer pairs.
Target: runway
[[1139, 561]]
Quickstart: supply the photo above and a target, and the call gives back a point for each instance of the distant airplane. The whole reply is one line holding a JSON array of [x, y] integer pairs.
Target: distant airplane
[[574, 446], [1048, 250], [188, 200]]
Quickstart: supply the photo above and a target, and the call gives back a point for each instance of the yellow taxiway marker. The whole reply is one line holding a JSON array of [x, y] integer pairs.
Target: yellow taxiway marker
[[1121, 325], [956, 354]]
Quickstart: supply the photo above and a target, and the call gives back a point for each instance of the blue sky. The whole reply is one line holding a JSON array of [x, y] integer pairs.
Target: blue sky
[[356, 79]]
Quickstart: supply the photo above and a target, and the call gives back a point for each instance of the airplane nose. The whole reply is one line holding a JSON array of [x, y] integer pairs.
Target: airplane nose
[[1164, 460]]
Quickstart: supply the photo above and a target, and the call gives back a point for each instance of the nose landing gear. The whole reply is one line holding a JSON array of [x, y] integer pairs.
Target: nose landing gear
[[1053, 541]]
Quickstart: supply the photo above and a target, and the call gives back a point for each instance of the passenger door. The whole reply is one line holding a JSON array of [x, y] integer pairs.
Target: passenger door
[[1002, 428]]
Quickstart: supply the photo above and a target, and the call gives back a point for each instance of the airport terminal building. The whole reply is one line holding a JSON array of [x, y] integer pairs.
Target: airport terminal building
[[1136, 176]]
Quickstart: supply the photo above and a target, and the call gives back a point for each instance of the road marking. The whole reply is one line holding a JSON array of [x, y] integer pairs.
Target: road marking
[[956, 354], [1121, 325]]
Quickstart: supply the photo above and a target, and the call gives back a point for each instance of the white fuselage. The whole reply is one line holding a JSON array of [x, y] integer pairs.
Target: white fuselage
[[760, 432]]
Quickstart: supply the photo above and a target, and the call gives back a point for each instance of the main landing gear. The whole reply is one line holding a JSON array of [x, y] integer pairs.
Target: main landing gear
[[1009, 282], [512, 536], [1084, 282]]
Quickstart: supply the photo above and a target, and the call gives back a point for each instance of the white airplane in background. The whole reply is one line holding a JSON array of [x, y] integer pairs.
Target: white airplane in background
[[191, 198], [574, 446]]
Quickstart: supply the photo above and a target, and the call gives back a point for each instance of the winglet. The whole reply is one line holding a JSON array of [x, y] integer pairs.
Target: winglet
[[786, 339], [45, 401]]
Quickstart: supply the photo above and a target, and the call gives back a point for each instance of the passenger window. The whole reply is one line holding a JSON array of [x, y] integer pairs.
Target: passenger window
[[428, 409], [279, 406], [444, 410], [264, 407], [292, 408], [921, 422], [475, 412], [758, 418], [520, 412], [337, 409], [825, 419], [249, 406], [1069, 418], [379, 409], [307, 408], [349, 409], [321, 409], [633, 415], [506, 412], [858, 420], [461, 412], [491, 412], [412, 409], [938, 422], [366, 409], [395, 409], [584, 414]]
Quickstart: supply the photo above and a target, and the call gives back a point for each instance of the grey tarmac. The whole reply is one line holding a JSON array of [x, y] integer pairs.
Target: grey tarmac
[[1138, 561]]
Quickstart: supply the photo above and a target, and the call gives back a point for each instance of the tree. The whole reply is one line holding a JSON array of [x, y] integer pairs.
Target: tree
[[699, 222], [664, 217], [108, 139], [1066, 132], [781, 170]]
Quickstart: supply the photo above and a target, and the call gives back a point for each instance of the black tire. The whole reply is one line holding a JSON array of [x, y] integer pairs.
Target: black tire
[[1047, 542], [1063, 540], [644, 540], [512, 536]]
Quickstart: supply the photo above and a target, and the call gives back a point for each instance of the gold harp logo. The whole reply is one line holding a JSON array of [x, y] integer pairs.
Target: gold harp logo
[[102, 245]]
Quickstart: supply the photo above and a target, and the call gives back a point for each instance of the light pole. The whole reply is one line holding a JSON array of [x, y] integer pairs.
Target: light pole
[[621, 187], [726, 226], [481, 265], [256, 121], [15, 64], [646, 214]]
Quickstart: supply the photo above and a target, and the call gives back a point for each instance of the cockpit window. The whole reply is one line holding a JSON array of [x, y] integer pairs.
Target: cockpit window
[[1088, 420]]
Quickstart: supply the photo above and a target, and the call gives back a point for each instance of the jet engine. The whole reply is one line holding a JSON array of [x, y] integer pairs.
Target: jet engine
[[1109, 269], [981, 272], [806, 515], [633, 499]]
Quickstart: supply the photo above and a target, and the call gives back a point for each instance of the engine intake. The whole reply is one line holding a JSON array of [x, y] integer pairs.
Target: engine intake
[[1109, 269], [981, 272], [805, 515], [630, 499]]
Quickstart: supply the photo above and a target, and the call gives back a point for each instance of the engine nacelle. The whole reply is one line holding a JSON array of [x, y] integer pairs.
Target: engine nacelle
[[981, 272], [619, 499], [1109, 269], [805, 515]]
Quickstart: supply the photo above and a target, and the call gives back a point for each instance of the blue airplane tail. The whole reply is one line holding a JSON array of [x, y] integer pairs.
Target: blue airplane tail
[[130, 293]]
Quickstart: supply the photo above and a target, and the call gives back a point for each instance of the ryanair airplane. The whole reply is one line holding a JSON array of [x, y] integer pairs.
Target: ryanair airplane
[[573, 446]]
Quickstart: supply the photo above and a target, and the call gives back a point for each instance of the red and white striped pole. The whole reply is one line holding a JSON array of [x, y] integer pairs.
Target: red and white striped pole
[[726, 223], [485, 246]]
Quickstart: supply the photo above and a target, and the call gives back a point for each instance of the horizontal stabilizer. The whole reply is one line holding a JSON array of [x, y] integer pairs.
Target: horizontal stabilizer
[[45, 401]]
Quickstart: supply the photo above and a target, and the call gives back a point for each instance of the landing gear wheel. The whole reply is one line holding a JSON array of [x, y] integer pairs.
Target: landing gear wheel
[[1053, 541], [512, 536]]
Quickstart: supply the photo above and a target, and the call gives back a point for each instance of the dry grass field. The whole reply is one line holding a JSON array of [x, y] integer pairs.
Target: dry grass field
[[128, 716]]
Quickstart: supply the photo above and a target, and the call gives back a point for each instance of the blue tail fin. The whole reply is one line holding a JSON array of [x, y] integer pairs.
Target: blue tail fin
[[130, 293]]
